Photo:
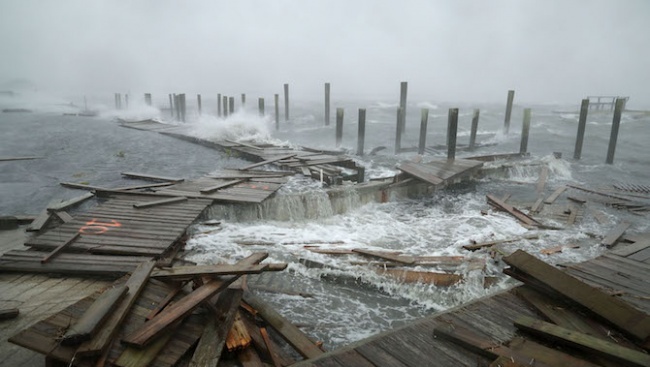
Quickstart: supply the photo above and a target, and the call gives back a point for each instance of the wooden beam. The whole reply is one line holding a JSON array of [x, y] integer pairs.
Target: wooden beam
[[60, 248], [144, 176], [631, 249], [86, 326], [615, 234], [64, 216], [165, 301], [72, 185], [583, 342], [272, 160], [222, 185], [135, 357], [71, 202], [494, 201], [150, 204], [541, 181], [136, 283], [287, 330], [141, 337], [244, 144], [408, 260], [148, 186], [627, 318], [189, 272], [555, 195]]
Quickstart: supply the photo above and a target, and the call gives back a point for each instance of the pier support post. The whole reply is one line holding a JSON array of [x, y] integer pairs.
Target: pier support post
[[118, 101], [198, 101], [582, 124], [231, 105], [224, 100], [327, 104], [276, 100], [286, 102], [171, 105], [361, 136], [616, 121], [506, 122], [183, 106], [452, 130], [398, 132], [177, 111], [525, 130], [472, 135], [403, 89], [147, 99], [126, 101], [260, 106], [424, 120], [219, 105], [339, 126], [243, 100]]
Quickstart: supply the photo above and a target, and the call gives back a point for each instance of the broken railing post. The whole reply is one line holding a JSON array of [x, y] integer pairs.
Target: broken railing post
[[403, 88], [582, 123], [231, 105], [219, 105], [423, 130], [339, 126], [198, 100], [286, 102], [361, 137], [506, 122], [276, 100], [224, 100], [398, 132], [616, 121], [327, 104], [525, 130], [147, 99], [452, 129], [260, 106], [472, 135]]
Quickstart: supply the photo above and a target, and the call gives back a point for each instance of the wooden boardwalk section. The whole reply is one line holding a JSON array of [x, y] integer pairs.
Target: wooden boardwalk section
[[440, 172], [499, 328]]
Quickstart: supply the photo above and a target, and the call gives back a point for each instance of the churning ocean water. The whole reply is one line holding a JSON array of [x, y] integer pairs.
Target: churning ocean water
[[339, 301]]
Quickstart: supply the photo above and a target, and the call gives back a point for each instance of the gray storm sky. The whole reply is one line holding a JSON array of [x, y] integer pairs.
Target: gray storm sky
[[460, 50]]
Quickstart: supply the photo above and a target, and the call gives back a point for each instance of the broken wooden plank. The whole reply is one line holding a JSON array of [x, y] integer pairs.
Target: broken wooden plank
[[556, 249], [136, 283], [620, 314], [150, 204], [189, 272], [481, 245], [144, 176], [272, 160], [248, 357], [408, 260], [601, 218], [165, 301], [141, 337], [628, 250], [147, 186], [60, 248], [425, 277], [541, 181], [573, 215], [551, 199], [80, 186], [86, 326], [40, 221], [64, 216], [222, 185], [244, 144], [135, 357], [615, 234], [537, 206], [287, 330], [583, 342], [9, 313], [492, 200], [550, 356], [70, 203], [238, 337], [208, 351]]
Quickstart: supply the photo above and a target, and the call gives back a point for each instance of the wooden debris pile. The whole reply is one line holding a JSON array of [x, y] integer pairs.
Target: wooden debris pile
[[578, 324], [153, 318]]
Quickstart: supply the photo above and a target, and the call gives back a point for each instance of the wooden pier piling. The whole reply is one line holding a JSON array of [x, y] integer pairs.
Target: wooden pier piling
[[183, 107], [243, 100], [171, 105], [219, 105], [224, 100], [452, 130], [424, 120], [260, 106], [126, 101], [525, 130], [616, 121], [231, 105], [327, 104], [339, 126], [147, 99], [198, 101], [398, 131], [177, 111], [472, 136], [403, 89], [582, 123], [118, 101], [276, 100], [286, 102], [506, 122], [361, 137]]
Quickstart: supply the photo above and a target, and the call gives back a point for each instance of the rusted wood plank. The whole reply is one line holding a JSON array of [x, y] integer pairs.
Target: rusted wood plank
[[189, 272], [150, 204], [615, 234], [551, 199], [144, 176], [208, 351], [583, 341], [61, 247], [222, 185], [272, 160], [289, 332], [86, 326], [408, 260], [141, 337], [102, 339], [627, 318]]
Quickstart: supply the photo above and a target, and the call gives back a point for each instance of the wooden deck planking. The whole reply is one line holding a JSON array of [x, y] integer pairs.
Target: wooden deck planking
[[438, 172]]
